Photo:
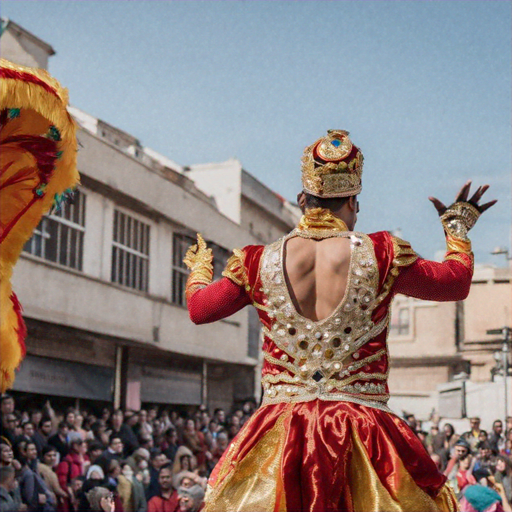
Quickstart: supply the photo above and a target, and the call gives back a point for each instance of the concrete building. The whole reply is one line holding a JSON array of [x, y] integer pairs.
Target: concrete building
[[102, 280], [441, 352]]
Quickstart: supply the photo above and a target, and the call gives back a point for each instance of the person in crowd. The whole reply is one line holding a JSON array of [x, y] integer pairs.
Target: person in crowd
[[60, 440], [113, 451], [7, 457], [465, 475], [101, 499], [143, 427], [184, 460], [170, 444], [99, 432], [194, 440], [146, 441], [221, 446], [152, 413], [220, 417], [42, 434], [9, 499], [124, 432], [190, 499], [113, 476], [73, 465], [472, 436], [156, 462], [503, 475], [75, 490], [480, 498], [485, 458], [79, 424], [497, 438], [137, 501], [34, 491], [461, 451], [166, 500], [94, 451], [47, 470], [28, 431], [9, 425]]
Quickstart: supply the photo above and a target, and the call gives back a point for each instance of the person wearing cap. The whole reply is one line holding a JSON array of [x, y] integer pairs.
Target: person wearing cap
[[324, 437]]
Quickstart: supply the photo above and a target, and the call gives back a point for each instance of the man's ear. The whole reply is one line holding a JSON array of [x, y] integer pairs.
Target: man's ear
[[352, 203], [301, 200]]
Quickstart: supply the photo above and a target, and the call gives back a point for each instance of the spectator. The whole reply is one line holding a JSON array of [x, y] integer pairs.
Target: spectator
[[143, 427], [220, 416], [190, 499], [170, 445], [9, 502], [137, 502], [124, 432], [484, 458], [34, 492], [95, 472], [497, 439], [7, 457], [72, 466], [184, 460], [473, 435], [28, 432], [451, 438], [79, 422], [99, 433], [60, 441], [9, 424], [42, 434], [194, 440], [167, 498], [114, 451], [47, 472], [503, 475], [461, 451], [478, 498], [156, 462], [94, 451], [101, 499]]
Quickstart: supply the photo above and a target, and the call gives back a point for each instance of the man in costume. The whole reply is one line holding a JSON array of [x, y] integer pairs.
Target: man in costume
[[324, 438]]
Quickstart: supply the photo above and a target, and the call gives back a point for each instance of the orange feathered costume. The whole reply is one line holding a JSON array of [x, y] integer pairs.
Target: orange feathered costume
[[37, 166]]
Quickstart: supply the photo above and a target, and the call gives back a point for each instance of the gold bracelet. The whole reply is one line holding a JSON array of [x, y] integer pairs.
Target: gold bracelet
[[458, 219]]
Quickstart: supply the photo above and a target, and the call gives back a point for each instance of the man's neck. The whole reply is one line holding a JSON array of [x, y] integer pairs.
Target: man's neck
[[166, 494]]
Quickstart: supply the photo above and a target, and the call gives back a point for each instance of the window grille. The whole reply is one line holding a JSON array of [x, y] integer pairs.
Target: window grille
[[180, 244], [400, 322], [59, 237], [130, 252]]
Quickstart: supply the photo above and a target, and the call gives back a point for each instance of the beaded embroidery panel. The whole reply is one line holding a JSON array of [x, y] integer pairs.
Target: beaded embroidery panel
[[321, 355]]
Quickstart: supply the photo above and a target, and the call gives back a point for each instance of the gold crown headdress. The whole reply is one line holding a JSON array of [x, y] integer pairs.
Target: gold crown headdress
[[332, 166]]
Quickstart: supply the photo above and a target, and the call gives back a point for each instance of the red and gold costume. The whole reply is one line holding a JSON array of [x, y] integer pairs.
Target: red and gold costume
[[37, 167], [324, 439]]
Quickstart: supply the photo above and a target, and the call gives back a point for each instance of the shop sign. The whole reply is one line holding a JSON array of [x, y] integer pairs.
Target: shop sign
[[48, 376], [170, 386]]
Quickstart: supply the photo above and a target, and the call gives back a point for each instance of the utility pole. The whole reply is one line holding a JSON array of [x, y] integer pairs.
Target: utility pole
[[505, 350]]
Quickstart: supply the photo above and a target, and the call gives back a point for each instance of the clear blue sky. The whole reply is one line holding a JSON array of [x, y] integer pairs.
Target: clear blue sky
[[424, 87]]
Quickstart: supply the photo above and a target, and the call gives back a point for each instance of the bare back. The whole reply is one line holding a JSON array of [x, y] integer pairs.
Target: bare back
[[316, 274]]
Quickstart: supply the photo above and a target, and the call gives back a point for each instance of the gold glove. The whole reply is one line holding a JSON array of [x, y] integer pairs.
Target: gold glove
[[458, 219], [199, 260]]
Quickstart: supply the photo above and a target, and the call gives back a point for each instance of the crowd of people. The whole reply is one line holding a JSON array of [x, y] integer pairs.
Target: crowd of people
[[477, 463], [128, 461], [159, 460]]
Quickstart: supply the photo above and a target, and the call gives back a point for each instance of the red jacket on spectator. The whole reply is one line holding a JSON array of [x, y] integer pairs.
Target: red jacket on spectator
[[70, 467], [161, 504]]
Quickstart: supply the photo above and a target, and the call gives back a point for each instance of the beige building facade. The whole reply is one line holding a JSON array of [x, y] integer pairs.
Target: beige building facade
[[434, 343], [102, 280]]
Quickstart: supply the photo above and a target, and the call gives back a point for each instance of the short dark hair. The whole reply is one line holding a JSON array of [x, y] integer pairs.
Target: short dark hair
[[168, 466], [47, 449], [43, 420], [155, 453], [331, 203], [113, 436], [483, 445]]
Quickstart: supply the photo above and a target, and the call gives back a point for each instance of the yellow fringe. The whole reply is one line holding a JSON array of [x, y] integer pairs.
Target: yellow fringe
[[17, 94]]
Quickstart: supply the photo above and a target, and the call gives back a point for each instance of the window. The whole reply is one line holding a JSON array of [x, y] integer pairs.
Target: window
[[59, 237], [179, 270], [400, 322], [220, 258], [130, 252]]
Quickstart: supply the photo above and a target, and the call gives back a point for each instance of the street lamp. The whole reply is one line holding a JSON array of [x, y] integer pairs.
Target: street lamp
[[504, 356]]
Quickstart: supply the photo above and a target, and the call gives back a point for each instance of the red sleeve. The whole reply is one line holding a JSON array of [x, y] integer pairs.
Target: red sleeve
[[218, 300], [153, 504], [62, 473], [430, 280]]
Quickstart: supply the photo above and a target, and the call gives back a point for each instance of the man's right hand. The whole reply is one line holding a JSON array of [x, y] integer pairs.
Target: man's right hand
[[462, 196]]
